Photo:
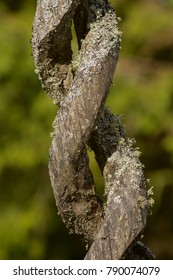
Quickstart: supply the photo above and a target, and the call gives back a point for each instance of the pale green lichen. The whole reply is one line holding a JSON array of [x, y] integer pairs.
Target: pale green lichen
[[150, 194]]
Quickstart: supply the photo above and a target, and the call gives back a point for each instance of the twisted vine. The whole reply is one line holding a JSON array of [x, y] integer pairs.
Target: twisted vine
[[80, 89]]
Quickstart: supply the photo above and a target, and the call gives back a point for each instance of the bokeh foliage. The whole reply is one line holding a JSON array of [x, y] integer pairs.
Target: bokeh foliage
[[142, 93]]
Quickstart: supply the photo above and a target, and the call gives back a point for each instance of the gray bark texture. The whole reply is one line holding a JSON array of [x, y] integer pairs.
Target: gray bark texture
[[79, 88]]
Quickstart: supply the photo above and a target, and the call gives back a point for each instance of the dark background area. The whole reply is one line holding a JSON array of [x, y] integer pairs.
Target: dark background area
[[142, 93]]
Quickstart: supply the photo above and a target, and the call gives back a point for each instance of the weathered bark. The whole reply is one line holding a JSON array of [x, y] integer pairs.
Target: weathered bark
[[80, 89], [125, 189]]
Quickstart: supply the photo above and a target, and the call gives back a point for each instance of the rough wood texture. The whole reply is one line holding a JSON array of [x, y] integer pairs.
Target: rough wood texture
[[125, 190], [80, 89]]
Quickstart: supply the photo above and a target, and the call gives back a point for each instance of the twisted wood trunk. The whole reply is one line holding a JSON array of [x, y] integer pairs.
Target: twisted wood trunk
[[80, 89]]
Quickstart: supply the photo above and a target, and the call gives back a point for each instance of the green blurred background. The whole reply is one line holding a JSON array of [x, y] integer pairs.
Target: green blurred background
[[142, 93]]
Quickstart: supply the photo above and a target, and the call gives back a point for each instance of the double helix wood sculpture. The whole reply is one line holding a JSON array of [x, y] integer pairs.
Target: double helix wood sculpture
[[80, 89]]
